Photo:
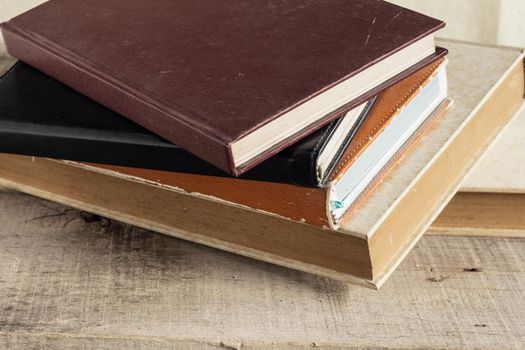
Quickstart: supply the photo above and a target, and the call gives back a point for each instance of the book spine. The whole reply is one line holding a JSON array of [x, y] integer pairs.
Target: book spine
[[199, 141]]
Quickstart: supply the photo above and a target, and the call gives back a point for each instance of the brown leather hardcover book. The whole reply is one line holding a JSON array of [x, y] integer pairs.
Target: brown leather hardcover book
[[309, 205], [232, 82]]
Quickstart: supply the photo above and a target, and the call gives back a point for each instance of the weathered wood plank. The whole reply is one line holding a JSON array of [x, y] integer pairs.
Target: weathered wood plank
[[482, 214], [70, 280]]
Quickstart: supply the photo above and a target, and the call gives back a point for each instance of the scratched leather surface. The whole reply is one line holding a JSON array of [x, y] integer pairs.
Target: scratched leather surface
[[228, 64]]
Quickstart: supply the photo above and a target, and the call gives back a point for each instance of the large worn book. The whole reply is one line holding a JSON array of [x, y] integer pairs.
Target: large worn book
[[232, 82], [41, 118], [366, 247], [492, 197]]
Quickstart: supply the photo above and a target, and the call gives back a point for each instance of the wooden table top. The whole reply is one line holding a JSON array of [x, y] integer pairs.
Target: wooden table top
[[71, 280]]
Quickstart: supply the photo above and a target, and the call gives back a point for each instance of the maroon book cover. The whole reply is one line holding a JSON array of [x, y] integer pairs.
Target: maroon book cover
[[230, 81]]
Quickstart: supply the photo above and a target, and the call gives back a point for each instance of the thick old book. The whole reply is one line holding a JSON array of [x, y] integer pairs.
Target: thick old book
[[369, 245], [232, 82], [39, 116]]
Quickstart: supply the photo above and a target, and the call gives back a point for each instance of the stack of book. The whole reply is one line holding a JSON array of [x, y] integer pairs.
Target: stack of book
[[309, 134]]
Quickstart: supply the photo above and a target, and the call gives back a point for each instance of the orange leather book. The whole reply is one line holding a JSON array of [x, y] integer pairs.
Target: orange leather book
[[312, 206]]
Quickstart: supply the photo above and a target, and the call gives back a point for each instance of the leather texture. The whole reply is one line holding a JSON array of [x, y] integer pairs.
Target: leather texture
[[204, 73], [387, 105]]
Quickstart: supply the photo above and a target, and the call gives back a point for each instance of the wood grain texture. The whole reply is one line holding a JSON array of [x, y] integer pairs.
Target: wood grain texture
[[69, 280], [483, 214]]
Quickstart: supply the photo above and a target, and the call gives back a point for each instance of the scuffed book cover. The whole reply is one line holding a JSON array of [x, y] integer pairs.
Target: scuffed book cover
[[204, 74]]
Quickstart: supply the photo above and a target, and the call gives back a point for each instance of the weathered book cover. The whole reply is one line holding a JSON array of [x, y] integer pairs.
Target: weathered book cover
[[217, 77]]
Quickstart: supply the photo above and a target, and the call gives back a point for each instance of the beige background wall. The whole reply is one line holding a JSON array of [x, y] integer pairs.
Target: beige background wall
[[10, 8], [486, 21]]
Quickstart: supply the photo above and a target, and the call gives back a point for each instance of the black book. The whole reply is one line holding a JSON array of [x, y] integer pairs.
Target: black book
[[42, 117]]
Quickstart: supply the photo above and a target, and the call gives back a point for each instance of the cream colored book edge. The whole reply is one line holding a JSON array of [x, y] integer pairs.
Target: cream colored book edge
[[435, 168]]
